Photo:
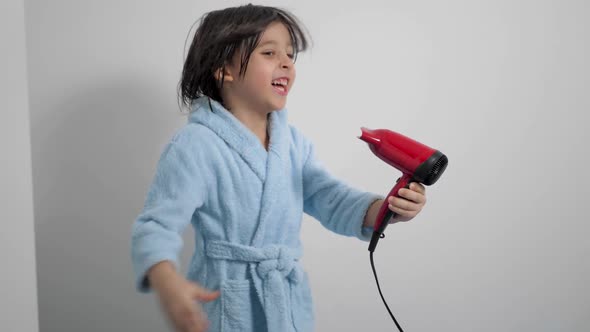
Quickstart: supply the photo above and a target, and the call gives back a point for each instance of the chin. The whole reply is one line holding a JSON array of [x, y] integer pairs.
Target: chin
[[281, 105], [276, 106]]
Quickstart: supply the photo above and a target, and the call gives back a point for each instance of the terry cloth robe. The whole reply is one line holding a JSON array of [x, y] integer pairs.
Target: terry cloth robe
[[246, 205]]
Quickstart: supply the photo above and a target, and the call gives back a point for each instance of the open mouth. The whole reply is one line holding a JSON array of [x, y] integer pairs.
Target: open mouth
[[280, 85]]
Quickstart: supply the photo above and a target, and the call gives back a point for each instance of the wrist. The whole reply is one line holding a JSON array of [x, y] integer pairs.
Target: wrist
[[372, 213]]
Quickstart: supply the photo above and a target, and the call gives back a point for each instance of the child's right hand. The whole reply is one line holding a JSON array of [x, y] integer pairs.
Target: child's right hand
[[180, 301]]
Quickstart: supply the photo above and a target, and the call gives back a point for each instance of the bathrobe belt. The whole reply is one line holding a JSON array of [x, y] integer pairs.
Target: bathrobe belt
[[277, 267]]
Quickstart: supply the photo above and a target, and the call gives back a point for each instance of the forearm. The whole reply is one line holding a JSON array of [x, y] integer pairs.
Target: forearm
[[372, 213], [160, 273]]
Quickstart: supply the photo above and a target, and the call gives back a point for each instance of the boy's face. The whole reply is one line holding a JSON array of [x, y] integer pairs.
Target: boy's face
[[270, 73]]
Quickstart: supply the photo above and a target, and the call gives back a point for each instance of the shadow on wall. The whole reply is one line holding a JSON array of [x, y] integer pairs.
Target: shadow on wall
[[94, 155]]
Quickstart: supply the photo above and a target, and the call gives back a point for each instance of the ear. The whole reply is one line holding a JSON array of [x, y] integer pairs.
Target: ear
[[227, 75]]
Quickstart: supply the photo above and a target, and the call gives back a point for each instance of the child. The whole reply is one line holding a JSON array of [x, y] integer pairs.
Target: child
[[243, 177]]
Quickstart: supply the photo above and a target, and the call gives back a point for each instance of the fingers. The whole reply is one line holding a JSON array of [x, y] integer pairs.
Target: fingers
[[196, 320], [184, 307], [189, 317], [409, 203], [181, 300], [207, 296], [403, 204], [401, 212], [419, 187], [204, 295], [416, 193], [403, 207]]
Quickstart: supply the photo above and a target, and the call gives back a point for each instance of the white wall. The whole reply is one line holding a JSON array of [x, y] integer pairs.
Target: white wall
[[18, 283], [498, 86]]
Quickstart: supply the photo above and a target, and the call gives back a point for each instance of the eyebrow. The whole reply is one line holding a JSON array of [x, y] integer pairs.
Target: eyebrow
[[272, 42]]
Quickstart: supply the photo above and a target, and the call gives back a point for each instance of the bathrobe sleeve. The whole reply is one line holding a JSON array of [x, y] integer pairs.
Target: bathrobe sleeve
[[339, 207], [175, 193]]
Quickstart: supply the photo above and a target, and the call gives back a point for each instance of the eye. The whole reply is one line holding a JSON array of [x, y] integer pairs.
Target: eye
[[269, 53], [290, 56]]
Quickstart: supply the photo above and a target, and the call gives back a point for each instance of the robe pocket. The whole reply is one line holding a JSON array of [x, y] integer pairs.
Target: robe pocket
[[303, 308], [236, 306]]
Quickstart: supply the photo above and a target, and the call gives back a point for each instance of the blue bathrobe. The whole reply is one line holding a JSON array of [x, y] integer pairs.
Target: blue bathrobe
[[246, 205]]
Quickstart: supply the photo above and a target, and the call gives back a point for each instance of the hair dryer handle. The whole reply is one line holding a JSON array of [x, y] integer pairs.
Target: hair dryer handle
[[385, 213]]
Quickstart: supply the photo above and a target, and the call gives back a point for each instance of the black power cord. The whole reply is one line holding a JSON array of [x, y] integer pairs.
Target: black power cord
[[379, 288], [378, 234]]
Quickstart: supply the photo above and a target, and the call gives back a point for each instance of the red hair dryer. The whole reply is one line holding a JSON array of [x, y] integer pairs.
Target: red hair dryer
[[416, 161]]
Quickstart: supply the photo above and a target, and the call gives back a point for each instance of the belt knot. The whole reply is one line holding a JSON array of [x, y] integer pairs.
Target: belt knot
[[282, 260]]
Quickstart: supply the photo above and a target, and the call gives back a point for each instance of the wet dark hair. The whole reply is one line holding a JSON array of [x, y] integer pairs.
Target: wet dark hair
[[220, 35]]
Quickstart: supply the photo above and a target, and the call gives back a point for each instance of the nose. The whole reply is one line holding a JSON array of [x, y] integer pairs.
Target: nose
[[286, 62]]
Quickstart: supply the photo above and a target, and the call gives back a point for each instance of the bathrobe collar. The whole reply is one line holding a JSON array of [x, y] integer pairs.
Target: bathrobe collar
[[270, 166], [216, 117]]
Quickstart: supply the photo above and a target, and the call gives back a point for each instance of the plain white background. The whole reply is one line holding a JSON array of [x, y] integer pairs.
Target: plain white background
[[500, 87]]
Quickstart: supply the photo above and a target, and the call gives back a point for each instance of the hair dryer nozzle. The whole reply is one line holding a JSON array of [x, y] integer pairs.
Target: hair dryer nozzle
[[369, 136]]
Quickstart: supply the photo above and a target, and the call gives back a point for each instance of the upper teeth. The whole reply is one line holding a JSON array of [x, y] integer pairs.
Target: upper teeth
[[281, 81]]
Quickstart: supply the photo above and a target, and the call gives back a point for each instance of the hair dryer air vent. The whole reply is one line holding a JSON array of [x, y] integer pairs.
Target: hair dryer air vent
[[430, 170], [437, 170]]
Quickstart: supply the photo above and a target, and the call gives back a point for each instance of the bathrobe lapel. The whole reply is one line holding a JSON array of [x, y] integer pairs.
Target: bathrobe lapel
[[276, 173], [273, 265], [213, 115], [270, 166]]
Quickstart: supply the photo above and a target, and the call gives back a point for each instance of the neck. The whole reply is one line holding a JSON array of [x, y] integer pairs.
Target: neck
[[254, 120]]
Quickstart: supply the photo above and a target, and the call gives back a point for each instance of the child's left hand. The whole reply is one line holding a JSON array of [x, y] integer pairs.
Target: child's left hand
[[409, 204]]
